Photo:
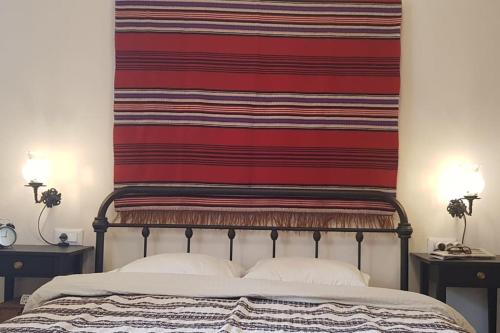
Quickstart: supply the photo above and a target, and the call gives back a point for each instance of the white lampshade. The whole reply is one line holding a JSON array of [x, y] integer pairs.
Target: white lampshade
[[461, 180], [473, 181], [36, 169]]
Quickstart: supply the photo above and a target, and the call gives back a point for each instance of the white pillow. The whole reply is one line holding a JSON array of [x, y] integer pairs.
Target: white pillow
[[184, 263], [308, 270]]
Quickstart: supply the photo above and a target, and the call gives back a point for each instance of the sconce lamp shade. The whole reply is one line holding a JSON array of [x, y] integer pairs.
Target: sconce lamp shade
[[473, 181], [36, 169]]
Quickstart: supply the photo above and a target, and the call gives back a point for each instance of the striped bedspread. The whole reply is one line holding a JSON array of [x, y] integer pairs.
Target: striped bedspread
[[146, 313]]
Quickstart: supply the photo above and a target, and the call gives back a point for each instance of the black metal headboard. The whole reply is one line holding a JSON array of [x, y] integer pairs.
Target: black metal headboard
[[403, 230]]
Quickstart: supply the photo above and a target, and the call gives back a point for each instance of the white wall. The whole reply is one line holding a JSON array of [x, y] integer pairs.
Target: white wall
[[450, 101], [56, 89]]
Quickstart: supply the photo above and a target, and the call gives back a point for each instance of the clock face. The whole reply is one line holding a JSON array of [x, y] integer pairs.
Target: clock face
[[7, 236]]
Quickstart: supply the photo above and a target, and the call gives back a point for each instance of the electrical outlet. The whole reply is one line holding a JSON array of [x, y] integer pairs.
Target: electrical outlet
[[432, 242], [75, 236]]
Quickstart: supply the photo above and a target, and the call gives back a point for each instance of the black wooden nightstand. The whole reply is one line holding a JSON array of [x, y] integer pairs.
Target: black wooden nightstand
[[10, 309], [468, 273], [39, 261]]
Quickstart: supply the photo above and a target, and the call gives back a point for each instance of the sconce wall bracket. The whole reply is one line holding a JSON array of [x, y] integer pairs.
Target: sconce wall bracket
[[457, 207], [50, 197]]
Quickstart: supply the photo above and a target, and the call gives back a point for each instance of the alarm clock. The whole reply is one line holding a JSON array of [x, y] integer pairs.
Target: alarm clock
[[8, 235]]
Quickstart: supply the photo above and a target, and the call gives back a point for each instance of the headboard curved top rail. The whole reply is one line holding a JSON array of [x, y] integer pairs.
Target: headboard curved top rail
[[403, 229]]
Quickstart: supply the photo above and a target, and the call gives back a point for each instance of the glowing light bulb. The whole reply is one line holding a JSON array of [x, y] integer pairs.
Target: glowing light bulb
[[36, 169], [461, 180], [473, 181]]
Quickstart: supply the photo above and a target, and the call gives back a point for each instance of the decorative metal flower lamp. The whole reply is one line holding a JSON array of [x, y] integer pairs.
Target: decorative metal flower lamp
[[472, 183], [36, 172]]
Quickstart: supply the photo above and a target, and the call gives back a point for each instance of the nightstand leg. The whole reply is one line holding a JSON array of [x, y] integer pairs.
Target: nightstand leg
[[79, 264], [424, 278], [8, 293], [441, 292], [492, 310]]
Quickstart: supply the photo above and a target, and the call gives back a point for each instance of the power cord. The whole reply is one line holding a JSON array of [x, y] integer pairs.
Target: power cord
[[39, 230], [465, 228]]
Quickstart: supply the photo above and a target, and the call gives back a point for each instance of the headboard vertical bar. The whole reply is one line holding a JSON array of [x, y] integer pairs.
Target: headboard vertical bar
[[404, 263], [100, 226], [274, 237], [189, 234], [231, 234], [316, 237], [404, 231], [99, 252], [359, 239], [145, 234]]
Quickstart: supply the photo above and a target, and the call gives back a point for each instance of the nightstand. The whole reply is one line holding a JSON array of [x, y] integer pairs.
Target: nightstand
[[39, 261], [10, 309], [468, 273]]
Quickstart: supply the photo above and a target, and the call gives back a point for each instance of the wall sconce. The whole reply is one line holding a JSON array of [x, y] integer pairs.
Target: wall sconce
[[36, 172], [472, 183]]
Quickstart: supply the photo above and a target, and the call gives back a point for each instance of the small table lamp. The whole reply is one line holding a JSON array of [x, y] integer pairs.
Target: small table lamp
[[472, 184]]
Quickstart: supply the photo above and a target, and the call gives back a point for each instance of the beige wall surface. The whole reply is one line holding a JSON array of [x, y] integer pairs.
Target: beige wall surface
[[56, 93]]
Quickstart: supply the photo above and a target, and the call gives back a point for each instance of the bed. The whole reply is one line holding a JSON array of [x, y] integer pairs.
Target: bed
[[197, 293]]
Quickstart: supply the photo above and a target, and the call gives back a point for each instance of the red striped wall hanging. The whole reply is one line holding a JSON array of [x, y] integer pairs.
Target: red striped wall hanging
[[275, 94]]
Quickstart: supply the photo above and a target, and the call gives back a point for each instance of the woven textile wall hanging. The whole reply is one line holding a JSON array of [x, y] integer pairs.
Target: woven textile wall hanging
[[280, 94]]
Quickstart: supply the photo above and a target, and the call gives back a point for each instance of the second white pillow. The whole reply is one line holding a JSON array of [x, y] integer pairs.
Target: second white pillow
[[308, 270]]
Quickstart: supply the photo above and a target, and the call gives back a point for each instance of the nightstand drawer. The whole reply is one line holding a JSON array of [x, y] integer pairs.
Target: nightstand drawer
[[472, 275], [39, 266]]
